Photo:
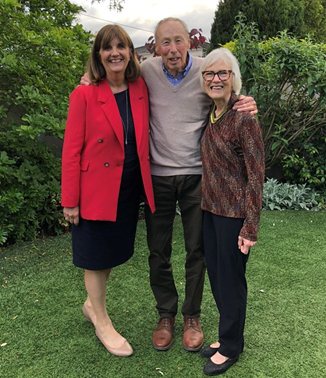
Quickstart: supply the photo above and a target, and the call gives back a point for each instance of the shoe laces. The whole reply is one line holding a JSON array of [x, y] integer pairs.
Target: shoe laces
[[166, 323], [191, 322]]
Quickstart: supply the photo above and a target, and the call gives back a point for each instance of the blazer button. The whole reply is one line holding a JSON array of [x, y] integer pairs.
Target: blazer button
[[100, 140], [106, 164]]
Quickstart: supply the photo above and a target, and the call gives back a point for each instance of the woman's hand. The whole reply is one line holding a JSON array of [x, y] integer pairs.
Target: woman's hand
[[71, 214], [246, 104], [245, 245]]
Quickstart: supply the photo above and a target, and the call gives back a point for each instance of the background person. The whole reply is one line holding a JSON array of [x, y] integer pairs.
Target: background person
[[105, 170], [232, 153]]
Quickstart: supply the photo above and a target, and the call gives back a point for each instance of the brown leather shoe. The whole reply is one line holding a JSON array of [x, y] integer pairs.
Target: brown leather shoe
[[193, 337], [162, 337]]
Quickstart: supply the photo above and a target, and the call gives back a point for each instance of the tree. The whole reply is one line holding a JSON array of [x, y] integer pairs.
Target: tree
[[42, 55], [273, 16], [299, 18], [224, 21], [315, 16]]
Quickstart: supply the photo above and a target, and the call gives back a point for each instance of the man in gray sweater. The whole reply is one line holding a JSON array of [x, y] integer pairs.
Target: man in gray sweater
[[178, 114]]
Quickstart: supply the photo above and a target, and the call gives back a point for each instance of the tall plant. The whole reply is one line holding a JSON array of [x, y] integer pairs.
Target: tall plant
[[287, 77], [42, 55]]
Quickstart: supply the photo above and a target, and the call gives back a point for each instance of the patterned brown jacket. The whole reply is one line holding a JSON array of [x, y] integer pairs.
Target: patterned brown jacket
[[232, 153]]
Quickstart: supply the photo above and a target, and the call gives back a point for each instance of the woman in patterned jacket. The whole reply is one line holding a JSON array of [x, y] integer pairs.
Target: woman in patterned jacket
[[232, 184]]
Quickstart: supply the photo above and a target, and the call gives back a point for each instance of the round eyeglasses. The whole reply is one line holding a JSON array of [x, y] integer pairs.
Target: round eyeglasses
[[222, 75]]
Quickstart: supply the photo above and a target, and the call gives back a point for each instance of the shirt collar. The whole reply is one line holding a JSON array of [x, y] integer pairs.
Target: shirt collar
[[175, 80]]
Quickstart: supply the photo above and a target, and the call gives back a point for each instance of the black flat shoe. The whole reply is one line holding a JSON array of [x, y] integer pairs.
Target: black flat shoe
[[208, 351], [215, 369]]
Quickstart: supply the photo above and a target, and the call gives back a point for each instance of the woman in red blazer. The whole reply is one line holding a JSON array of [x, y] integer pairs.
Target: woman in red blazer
[[106, 171]]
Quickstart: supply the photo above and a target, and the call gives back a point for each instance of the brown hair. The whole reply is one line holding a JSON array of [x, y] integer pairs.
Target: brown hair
[[95, 69]]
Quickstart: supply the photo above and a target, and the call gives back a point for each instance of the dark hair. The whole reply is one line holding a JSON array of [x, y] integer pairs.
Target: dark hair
[[95, 69]]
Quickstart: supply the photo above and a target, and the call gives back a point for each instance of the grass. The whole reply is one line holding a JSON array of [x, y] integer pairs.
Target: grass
[[43, 333]]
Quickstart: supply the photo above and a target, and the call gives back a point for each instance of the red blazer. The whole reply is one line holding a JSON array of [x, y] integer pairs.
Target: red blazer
[[93, 149]]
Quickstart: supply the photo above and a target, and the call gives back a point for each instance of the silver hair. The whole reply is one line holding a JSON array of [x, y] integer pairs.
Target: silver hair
[[184, 25], [223, 54]]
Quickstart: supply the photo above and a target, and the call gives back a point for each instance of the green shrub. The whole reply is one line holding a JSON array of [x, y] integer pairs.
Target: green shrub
[[29, 191], [42, 56], [287, 78], [284, 196], [308, 165]]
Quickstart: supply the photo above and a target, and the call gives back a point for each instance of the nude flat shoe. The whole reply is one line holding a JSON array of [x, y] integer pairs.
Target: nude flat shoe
[[124, 350]]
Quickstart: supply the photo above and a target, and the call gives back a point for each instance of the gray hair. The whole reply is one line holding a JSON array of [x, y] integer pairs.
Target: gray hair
[[223, 54], [175, 19]]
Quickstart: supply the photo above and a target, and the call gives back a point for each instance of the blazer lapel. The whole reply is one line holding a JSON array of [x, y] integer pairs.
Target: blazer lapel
[[110, 109], [137, 106]]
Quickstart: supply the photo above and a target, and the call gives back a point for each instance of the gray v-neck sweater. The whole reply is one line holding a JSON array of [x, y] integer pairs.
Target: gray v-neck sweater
[[178, 116]]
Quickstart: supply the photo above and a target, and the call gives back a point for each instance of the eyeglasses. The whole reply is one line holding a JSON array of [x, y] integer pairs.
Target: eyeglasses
[[222, 75]]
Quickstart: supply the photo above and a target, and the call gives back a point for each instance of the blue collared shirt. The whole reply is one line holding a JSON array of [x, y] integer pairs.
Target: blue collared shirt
[[175, 80]]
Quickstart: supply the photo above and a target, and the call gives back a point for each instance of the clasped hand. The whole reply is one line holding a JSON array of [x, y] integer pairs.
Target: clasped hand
[[245, 245], [71, 214]]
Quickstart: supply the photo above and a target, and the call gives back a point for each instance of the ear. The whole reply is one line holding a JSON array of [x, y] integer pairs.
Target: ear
[[157, 50]]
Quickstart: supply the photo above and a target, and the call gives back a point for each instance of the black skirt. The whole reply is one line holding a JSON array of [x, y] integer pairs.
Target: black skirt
[[103, 244]]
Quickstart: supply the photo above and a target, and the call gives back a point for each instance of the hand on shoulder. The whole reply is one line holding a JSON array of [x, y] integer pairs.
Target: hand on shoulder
[[246, 104], [85, 80]]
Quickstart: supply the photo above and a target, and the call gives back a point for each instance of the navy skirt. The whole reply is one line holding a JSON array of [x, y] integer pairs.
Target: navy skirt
[[103, 244]]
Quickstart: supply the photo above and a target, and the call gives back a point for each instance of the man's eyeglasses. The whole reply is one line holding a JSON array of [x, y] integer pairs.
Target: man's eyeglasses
[[222, 75]]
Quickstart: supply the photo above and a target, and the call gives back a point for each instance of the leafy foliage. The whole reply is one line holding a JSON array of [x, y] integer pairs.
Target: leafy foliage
[[196, 38], [300, 18], [42, 55], [284, 196], [308, 165], [287, 77], [29, 195], [113, 4]]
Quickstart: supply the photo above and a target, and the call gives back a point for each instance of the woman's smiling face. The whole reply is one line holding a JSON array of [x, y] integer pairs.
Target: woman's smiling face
[[218, 80], [115, 57]]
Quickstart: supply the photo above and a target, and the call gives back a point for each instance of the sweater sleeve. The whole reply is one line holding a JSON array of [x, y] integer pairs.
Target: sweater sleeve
[[253, 150]]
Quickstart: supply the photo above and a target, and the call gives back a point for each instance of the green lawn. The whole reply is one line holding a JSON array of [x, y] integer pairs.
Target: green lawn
[[43, 333]]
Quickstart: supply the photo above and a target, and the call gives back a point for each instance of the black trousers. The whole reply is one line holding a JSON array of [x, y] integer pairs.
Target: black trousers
[[168, 191], [226, 268]]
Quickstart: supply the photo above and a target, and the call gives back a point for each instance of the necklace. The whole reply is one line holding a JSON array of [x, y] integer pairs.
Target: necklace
[[215, 118], [126, 128]]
